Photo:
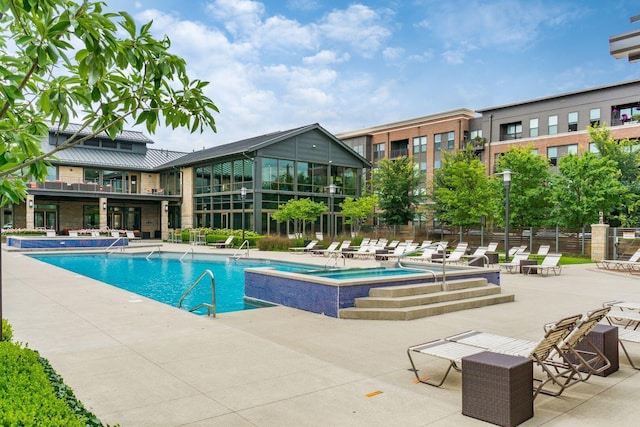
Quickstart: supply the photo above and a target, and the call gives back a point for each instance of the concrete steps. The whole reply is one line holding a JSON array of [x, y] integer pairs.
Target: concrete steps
[[409, 302]]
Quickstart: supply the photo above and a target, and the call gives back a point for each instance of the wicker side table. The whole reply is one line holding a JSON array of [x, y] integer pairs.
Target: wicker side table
[[497, 388], [605, 339]]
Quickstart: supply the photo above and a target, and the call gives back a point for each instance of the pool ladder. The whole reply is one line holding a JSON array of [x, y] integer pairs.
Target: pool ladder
[[211, 308]]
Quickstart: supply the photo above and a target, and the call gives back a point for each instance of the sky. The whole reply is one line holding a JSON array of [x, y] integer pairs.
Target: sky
[[276, 65]]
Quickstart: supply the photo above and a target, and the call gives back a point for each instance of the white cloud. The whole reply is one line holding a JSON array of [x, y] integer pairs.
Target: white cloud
[[325, 57], [359, 26], [393, 53], [240, 16]]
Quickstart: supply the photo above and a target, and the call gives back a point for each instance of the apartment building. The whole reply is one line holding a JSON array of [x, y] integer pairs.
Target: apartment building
[[554, 125]]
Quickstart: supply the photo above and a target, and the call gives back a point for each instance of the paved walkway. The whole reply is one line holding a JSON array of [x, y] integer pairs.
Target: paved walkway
[[136, 362]]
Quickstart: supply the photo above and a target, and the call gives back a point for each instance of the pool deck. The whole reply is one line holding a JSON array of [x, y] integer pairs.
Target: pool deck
[[137, 362]]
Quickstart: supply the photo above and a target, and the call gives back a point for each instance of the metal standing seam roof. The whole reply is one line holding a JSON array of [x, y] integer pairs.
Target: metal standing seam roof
[[125, 135], [116, 159]]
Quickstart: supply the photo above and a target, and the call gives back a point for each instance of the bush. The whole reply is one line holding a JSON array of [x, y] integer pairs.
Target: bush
[[32, 394], [274, 243], [7, 332]]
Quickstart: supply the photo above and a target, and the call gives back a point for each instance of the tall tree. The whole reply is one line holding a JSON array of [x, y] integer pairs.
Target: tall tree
[[299, 211], [461, 190], [357, 211], [63, 61], [529, 197], [396, 183], [585, 186], [626, 155]]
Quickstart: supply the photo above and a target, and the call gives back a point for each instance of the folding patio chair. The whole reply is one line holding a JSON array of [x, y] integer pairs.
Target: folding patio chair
[[549, 263], [618, 264], [456, 347], [514, 265]]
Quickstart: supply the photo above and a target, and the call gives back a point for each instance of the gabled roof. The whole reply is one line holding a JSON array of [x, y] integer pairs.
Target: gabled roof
[[253, 144]]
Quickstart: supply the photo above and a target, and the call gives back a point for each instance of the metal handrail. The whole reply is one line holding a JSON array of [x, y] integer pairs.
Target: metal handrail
[[186, 252], [237, 252], [111, 245], [153, 251], [337, 256], [438, 245], [211, 308]]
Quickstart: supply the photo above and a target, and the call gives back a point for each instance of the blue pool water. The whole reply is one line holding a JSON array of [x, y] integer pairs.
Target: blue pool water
[[362, 273], [164, 278]]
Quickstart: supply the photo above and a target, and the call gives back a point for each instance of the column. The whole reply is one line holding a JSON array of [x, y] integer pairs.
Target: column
[[164, 220], [599, 237], [103, 212]]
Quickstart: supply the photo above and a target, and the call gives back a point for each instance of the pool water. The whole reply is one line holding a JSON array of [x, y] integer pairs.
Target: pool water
[[362, 273], [164, 278]]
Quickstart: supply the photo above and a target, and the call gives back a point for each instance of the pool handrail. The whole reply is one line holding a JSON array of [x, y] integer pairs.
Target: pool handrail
[[438, 245], [111, 245], [211, 308], [237, 252], [153, 251], [186, 252], [337, 256]]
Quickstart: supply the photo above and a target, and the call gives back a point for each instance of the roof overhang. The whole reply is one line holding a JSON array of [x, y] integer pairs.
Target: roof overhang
[[626, 45]]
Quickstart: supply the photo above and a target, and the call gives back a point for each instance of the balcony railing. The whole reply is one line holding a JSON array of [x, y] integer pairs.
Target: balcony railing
[[92, 187], [398, 152]]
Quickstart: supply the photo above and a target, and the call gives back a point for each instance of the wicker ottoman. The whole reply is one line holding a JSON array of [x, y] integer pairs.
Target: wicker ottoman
[[497, 388], [605, 339]]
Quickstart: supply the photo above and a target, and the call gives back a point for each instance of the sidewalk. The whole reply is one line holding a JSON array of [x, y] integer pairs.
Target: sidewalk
[[136, 362]]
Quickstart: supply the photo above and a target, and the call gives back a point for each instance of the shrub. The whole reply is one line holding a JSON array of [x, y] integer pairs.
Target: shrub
[[7, 332], [274, 243], [27, 397]]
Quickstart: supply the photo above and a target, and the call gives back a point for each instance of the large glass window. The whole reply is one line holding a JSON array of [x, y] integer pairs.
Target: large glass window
[[350, 182], [52, 173], [269, 174], [437, 141], [319, 175], [203, 180], [552, 155], [303, 177], [378, 151], [553, 125], [113, 179], [91, 216], [92, 175], [513, 130], [572, 121], [533, 128], [285, 175]]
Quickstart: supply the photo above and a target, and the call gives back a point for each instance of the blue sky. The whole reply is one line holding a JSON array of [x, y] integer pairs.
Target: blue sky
[[275, 65]]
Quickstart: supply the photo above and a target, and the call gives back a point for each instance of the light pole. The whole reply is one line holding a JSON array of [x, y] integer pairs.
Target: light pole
[[243, 195], [332, 225], [506, 177]]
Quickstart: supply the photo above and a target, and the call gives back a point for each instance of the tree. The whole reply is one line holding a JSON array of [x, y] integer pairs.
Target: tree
[[304, 210], [356, 211], [627, 158], [529, 196], [585, 186], [64, 60], [461, 190], [396, 183], [61, 60]]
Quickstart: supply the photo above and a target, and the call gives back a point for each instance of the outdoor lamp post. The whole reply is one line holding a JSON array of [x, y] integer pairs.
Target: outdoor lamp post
[[332, 225], [243, 195], [506, 177]]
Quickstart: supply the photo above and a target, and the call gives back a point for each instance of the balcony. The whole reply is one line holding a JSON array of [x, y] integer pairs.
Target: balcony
[[398, 152], [90, 187]]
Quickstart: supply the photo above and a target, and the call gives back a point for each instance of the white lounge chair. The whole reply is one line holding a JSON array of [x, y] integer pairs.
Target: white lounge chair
[[224, 244], [550, 263], [618, 264], [492, 246], [514, 265], [131, 235], [321, 252], [309, 246]]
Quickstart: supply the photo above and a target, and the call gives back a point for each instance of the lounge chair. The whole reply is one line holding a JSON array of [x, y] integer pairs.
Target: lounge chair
[[478, 253], [492, 246], [514, 265], [543, 251], [456, 347], [625, 316], [73, 233], [131, 235], [308, 247], [321, 252], [617, 264], [549, 263], [456, 255], [224, 244], [115, 234], [51, 233], [95, 234]]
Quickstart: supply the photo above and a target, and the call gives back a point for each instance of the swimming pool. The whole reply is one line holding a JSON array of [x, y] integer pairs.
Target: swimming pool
[[165, 277], [371, 273]]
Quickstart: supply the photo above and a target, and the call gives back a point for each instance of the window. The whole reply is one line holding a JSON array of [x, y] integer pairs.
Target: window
[[302, 176], [437, 141], [420, 144], [437, 164], [269, 174], [572, 121], [126, 146], [572, 149], [553, 125], [109, 144], [203, 179], [476, 134], [552, 155], [92, 175], [594, 116], [512, 131], [378, 151], [451, 144], [52, 173], [533, 128], [534, 151], [593, 148], [423, 168]]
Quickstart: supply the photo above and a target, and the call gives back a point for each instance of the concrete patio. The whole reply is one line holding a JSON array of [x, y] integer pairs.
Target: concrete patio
[[137, 362]]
